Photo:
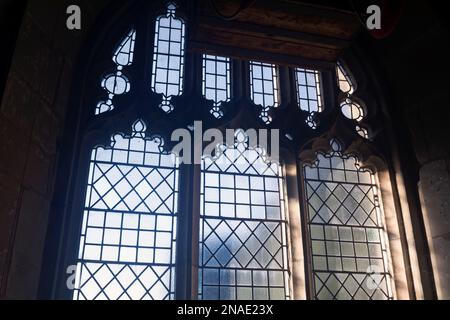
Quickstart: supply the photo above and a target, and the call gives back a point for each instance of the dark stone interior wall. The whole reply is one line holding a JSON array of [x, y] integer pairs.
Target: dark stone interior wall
[[415, 63], [32, 117], [33, 110], [11, 13]]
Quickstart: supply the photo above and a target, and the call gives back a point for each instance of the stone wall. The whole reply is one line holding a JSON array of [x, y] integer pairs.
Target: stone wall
[[415, 62], [434, 188], [32, 117]]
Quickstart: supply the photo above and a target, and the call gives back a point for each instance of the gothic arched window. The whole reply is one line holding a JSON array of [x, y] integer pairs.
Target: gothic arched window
[[144, 222]]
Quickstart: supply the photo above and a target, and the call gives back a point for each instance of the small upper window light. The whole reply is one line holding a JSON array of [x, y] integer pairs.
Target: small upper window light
[[216, 82], [168, 57], [264, 88], [345, 83]]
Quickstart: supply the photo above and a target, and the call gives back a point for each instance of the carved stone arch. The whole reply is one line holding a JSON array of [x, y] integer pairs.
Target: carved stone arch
[[367, 155], [138, 129]]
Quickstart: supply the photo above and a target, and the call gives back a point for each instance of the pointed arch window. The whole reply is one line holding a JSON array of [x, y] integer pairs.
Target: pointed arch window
[[235, 226]]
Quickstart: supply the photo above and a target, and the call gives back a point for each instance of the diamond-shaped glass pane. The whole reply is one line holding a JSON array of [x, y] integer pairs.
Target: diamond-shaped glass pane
[[127, 247], [345, 230], [242, 227]]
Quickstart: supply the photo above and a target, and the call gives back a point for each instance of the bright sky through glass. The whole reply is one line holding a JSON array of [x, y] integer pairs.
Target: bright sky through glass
[[346, 230], [216, 82], [264, 88], [168, 57], [128, 235], [243, 230]]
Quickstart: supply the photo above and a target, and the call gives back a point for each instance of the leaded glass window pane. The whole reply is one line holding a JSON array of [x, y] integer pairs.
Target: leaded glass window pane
[[363, 132], [264, 88], [346, 230], [117, 83], [352, 110], [168, 57], [309, 92], [349, 107], [243, 227], [216, 82], [345, 83], [128, 235]]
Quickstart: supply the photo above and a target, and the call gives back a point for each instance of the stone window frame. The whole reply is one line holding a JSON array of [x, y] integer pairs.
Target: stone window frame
[[405, 265]]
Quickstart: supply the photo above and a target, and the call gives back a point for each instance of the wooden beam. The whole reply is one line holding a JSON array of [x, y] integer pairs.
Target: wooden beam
[[274, 31]]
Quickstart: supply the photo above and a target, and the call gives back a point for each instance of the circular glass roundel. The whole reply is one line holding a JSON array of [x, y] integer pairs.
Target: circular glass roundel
[[116, 84], [352, 110]]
